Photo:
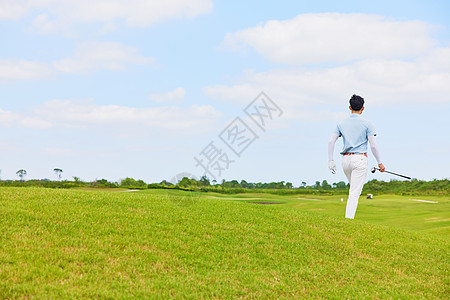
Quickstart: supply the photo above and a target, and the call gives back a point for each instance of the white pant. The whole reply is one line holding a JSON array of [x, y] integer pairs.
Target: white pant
[[355, 168]]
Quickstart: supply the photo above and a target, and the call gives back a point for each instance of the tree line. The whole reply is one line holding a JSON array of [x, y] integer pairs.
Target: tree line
[[413, 187], [406, 187], [243, 184]]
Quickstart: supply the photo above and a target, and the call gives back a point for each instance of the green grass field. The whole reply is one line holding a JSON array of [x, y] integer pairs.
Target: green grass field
[[407, 212], [163, 244]]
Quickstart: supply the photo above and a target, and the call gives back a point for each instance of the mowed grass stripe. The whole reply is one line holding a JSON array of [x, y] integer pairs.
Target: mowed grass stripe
[[96, 244]]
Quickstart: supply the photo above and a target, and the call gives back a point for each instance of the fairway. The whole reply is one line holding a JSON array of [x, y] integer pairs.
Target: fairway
[[163, 244], [429, 214]]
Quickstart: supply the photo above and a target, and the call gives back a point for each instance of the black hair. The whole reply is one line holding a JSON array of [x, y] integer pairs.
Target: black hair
[[356, 102]]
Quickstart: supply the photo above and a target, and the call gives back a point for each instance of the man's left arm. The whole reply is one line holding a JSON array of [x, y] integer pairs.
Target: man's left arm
[[375, 151]]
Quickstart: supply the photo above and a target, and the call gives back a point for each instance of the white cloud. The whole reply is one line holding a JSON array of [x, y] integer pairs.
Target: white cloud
[[13, 9], [23, 69], [333, 37], [120, 120], [145, 13], [88, 57], [101, 55], [11, 119], [437, 60], [384, 60], [7, 118], [175, 96], [45, 25], [303, 91], [56, 15], [87, 114], [35, 123]]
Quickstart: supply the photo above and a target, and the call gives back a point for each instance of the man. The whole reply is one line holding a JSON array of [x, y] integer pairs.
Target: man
[[356, 132]]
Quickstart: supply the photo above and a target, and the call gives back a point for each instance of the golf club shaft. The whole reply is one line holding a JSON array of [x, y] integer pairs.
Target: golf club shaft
[[396, 174]]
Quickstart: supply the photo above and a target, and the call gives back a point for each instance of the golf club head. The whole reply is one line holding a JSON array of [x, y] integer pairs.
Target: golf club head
[[373, 170]]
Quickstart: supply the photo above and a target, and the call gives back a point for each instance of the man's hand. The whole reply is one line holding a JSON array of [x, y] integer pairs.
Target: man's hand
[[332, 166], [381, 167]]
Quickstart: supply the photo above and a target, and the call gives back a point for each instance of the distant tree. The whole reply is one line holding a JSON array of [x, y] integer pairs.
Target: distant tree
[[76, 179], [204, 181], [141, 183], [303, 184], [230, 184], [234, 183], [275, 185], [132, 183], [21, 173], [186, 182], [289, 185], [58, 173], [317, 185], [340, 185], [326, 185], [166, 183], [244, 184], [259, 185]]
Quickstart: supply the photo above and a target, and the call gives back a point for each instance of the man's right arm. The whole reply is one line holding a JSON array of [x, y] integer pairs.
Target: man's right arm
[[331, 142]]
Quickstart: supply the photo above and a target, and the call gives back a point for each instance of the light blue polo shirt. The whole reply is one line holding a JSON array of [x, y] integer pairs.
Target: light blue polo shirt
[[354, 131]]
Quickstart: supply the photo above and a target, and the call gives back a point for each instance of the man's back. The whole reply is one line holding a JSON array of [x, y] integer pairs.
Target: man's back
[[354, 131]]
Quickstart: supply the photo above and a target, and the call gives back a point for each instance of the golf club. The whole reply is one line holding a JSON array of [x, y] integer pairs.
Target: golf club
[[374, 169]]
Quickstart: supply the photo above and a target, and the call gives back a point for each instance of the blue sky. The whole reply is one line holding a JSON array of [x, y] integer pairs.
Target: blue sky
[[114, 89]]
